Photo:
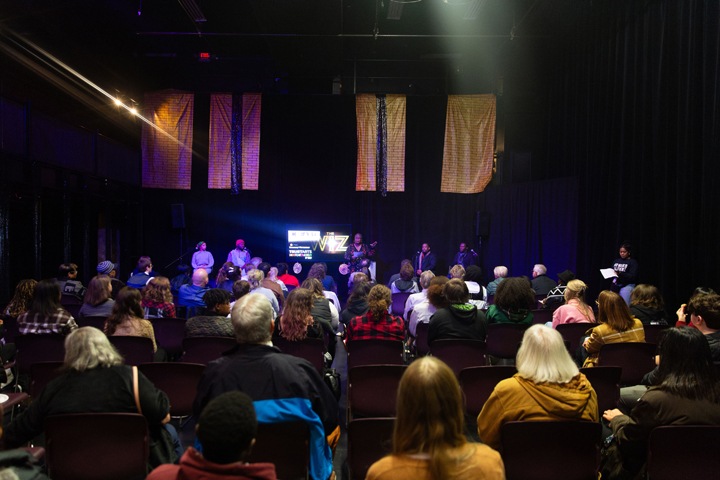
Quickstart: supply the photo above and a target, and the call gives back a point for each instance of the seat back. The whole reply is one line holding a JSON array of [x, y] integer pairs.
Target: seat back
[[663, 461], [478, 383], [574, 332], [635, 358], [41, 373], [422, 347], [205, 349], [606, 383], [311, 349], [92, 321], [654, 333], [551, 450], [374, 352], [178, 380], [286, 445], [398, 303], [369, 439], [459, 353], [503, 339], [87, 446], [9, 328], [38, 348], [372, 390], [169, 334], [135, 350], [541, 316]]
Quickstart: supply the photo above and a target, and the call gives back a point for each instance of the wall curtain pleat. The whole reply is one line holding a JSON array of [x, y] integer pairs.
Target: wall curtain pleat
[[167, 147], [234, 156], [469, 143], [381, 143]]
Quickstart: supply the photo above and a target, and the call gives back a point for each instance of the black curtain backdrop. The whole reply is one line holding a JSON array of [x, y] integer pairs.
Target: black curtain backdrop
[[635, 116], [307, 175]]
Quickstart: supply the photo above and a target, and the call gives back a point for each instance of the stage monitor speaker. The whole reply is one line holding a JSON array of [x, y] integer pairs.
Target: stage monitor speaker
[[482, 224], [177, 215]]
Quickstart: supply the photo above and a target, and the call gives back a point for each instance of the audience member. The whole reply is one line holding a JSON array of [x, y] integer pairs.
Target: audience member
[[240, 255], [405, 283], [215, 321], [556, 296], [423, 311], [428, 439], [96, 380], [240, 289], [22, 298], [182, 278], [478, 293], [127, 317], [547, 386], [46, 316], [357, 277], [255, 278], [357, 302], [424, 259], [157, 299], [265, 267], [227, 275], [285, 277], [70, 286], [97, 301], [300, 320], [647, 305], [143, 273], [284, 387], [202, 258], [500, 273], [416, 298], [226, 433], [319, 271], [108, 268], [687, 393], [396, 276], [457, 271], [541, 283], [377, 323], [575, 309], [460, 319], [616, 325], [191, 295], [514, 300], [323, 309], [683, 318]]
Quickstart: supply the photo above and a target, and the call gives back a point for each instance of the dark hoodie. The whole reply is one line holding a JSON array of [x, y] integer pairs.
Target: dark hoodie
[[457, 321], [354, 308], [649, 316]]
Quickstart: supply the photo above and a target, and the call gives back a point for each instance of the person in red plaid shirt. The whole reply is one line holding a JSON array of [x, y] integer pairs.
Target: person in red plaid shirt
[[377, 323]]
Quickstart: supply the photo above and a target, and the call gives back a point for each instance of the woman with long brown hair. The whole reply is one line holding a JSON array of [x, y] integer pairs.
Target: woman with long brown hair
[[428, 439], [127, 317], [97, 301], [22, 298], [616, 325]]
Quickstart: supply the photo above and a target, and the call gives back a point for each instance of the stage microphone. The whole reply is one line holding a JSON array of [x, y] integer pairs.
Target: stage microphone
[[473, 251]]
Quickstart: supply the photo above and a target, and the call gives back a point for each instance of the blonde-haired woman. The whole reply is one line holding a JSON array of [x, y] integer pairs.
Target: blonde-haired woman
[[616, 325], [428, 439], [548, 386], [575, 310]]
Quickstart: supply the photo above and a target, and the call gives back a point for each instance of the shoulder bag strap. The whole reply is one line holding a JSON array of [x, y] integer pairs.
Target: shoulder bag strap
[[136, 389]]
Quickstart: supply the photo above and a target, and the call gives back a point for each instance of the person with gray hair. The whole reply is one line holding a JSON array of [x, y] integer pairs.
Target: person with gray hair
[[255, 279], [283, 387], [547, 386], [541, 283], [500, 272], [95, 379]]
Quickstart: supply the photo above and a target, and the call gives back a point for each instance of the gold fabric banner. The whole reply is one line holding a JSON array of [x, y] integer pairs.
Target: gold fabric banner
[[167, 148], [219, 155], [469, 143], [366, 113]]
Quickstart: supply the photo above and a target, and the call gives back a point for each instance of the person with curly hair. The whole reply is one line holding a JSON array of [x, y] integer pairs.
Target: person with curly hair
[[377, 323], [22, 298], [296, 321], [157, 299], [514, 300]]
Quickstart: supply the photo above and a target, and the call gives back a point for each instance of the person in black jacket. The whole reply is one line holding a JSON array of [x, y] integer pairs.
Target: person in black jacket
[[460, 319]]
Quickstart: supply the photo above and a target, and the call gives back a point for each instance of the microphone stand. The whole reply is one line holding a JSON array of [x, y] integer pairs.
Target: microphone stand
[[177, 259]]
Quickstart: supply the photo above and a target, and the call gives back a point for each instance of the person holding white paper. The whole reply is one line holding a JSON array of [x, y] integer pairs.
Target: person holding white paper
[[626, 269]]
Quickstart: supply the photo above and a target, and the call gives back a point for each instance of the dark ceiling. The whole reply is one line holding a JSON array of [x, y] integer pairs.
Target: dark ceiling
[[428, 47]]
